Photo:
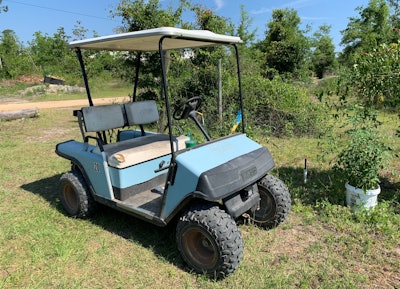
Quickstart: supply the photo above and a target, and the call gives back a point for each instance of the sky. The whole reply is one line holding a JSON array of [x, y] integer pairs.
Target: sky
[[25, 17]]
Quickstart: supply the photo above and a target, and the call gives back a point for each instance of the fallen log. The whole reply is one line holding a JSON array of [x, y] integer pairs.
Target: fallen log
[[17, 114]]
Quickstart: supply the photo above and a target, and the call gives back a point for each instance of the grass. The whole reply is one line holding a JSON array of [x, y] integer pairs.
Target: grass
[[322, 244]]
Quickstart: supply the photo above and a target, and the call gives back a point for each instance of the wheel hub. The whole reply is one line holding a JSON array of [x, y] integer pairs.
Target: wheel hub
[[200, 248], [206, 243], [70, 197]]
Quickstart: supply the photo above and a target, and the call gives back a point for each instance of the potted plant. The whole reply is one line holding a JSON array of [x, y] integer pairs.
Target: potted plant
[[362, 157]]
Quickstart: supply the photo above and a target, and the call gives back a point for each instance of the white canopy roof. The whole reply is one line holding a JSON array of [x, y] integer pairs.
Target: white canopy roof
[[148, 40]]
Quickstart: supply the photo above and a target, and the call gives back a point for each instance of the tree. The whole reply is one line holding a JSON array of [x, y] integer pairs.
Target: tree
[[14, 60], [367, 31], [285, 46], [9, 51], [206, 19], [250, 54], [395, 19], [79, 31], [375, 75], [323, 57], [51, 54], [243, 28], [141, 14]]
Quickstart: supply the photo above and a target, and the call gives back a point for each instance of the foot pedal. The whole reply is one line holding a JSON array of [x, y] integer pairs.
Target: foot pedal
[[158, 190]]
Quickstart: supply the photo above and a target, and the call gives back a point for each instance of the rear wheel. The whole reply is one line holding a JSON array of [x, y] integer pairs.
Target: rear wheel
[[274, 205], [209, 241], [75, 195]]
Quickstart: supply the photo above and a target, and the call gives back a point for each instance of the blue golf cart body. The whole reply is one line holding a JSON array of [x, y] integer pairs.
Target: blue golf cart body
[[158, 176]]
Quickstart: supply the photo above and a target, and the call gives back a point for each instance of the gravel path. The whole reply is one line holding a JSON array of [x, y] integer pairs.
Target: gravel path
[[59, 103]]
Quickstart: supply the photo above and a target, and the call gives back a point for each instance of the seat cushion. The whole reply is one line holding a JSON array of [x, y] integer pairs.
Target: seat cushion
[[137, 150]]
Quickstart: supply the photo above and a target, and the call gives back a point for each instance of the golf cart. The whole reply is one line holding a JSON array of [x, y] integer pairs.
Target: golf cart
[[164, 177]]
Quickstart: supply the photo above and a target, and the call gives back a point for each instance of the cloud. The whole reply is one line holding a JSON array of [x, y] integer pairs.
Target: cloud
[[293, 4], [298, 3], [262, 11], [315, 18], [219, 4]]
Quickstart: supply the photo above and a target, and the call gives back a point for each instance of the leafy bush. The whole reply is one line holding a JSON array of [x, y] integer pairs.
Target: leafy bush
[[280, 107]]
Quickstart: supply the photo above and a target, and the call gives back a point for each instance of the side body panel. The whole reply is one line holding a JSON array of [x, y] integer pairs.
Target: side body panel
[[140, 173], [95, 169]]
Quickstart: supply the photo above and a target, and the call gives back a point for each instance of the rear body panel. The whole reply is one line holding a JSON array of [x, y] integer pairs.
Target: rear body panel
[[91, 165]]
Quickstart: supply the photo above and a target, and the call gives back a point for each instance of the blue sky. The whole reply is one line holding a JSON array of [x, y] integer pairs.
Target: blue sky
[[26, 17]]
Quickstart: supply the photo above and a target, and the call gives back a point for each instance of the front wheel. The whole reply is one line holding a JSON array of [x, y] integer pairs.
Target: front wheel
[[209, 241], [274, 205]]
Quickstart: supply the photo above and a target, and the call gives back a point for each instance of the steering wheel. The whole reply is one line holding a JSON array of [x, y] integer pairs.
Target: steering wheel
[[182, 110]]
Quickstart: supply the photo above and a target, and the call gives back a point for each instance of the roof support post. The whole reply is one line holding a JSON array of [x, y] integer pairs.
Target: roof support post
[[165, 90], [240, 86], [84, 75], [137, 67]]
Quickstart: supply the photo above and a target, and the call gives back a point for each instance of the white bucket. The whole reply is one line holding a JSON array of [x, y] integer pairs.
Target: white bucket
[[357, 198]]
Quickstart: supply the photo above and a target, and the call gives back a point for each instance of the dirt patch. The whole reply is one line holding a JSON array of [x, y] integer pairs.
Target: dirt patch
[[49, 135], [302, 235], [61, 103], [28, 79], [16, 100], [5, 100]]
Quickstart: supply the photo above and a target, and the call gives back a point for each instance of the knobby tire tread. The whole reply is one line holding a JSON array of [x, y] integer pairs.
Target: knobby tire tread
[[281, 195], [225, 233]]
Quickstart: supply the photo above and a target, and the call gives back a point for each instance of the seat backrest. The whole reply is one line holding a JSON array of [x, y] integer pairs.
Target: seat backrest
[[103, 117], [141, 112]]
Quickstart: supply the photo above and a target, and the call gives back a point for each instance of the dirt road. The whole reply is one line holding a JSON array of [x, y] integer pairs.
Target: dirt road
[[60, 103]]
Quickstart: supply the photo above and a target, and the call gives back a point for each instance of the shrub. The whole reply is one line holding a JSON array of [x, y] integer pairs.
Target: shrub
[[281, 107]]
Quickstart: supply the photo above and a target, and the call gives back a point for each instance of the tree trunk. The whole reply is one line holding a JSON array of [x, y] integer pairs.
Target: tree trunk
[[17, 114]]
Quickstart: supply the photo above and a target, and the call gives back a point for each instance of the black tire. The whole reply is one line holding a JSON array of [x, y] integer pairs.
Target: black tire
[[209, 241], [274, 205], [75, 195]]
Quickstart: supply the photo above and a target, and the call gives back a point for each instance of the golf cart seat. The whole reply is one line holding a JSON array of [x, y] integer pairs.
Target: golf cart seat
[[132, 151], [141, 112], [137, 150]]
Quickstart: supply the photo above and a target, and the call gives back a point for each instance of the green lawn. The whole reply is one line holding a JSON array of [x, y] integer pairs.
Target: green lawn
[[321, 245]]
